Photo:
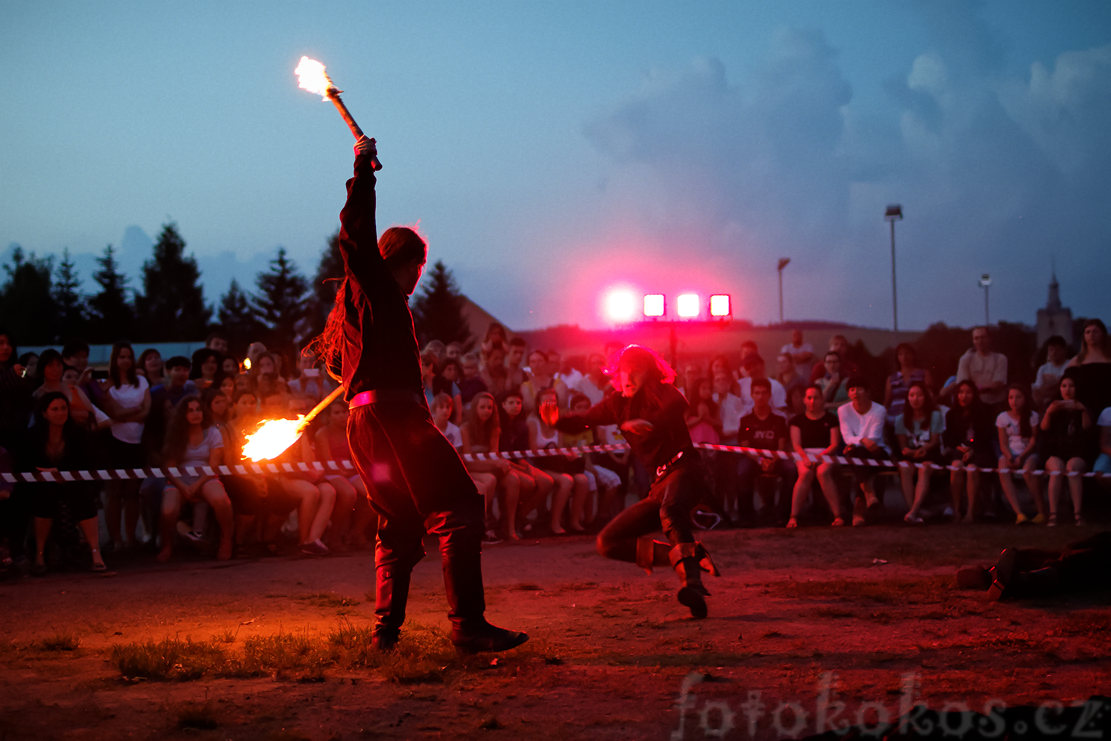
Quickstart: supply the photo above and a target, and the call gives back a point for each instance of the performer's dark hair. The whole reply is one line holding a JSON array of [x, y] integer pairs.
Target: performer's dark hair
[[397, 245]]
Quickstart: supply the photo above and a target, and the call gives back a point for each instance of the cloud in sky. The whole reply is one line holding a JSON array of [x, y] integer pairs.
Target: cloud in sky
[[996, 174]]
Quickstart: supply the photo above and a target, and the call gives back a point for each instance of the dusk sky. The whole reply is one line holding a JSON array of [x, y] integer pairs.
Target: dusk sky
[[550, 150]]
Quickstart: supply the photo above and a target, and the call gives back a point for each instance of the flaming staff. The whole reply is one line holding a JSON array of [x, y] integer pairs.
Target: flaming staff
[[312, 77], [274, 436]]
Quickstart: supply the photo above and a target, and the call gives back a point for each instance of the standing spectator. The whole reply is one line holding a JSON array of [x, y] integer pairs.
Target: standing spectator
[[310, 383], [217, 341], [815, 434], [839, 344], [565, 370], [787, 374], [754, 368], [56, 444], [986, 369], [968, 438], [1064, 431], [541, 377], [1018, 440], [765, 430], [862, 422], [163, 398], [907, 371], [801, 353], [515, 374], [204, 368], [493, 371], [1103, 462], [471, 382], [918, 429], [15, 394], [833, 384], [150, 365], [1092, 367], [127, 402], [1049, 373]]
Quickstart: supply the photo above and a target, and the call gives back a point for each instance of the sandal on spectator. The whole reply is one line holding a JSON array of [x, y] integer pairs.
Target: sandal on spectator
[[912, 519], [792, 523]]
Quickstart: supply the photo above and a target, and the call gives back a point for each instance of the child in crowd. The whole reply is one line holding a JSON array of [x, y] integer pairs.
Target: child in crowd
[[1018, 433], [536, 485], [918, 429], [568, 470]]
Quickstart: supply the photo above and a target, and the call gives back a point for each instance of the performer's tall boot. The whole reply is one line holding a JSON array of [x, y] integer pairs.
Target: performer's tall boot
[[391, 596], [689, 560], [651, 552], [470, 632]]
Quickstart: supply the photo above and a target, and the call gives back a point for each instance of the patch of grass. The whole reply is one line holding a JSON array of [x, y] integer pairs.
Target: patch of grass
[[283, 656], [60, 642], [326, 599], [169, 659]]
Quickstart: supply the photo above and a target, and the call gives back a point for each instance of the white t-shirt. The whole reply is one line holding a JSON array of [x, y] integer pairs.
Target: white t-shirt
[[128, 397], [730, 407], [453, 435], [200, 455], [856, 427], [1015, 441], [789, 349]]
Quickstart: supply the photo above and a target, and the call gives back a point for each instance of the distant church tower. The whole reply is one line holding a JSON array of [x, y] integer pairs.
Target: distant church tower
[[1054, 318]]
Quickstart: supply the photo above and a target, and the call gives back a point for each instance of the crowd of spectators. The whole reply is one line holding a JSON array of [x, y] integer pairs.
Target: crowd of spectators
[[56, 414]]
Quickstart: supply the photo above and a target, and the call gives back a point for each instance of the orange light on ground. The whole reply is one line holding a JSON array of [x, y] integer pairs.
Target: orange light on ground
[[620, 305], [688, 305], [654, 305], [721, 305]]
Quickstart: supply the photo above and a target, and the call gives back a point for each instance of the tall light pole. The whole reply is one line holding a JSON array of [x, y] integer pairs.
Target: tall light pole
[[985, 283], [894, 213], [783, 262]]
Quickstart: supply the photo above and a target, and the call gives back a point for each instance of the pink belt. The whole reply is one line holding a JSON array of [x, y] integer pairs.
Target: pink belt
[[379, 396]]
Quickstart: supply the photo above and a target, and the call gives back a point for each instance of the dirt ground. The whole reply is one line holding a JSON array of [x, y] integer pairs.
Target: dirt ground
[[809, 630]]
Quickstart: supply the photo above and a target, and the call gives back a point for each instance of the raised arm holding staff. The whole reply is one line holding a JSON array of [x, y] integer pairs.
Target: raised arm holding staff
[[416, 480]]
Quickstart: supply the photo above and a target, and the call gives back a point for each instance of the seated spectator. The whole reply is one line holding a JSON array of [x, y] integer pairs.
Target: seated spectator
[[724, 470], [204, 368], [765, 430], [480, 434], [567, 470], [15, 395], [451, 372], [918, 430], [541, 376], [986, 369], [453, 351], [839, 344], [536, 485], [595, 384], [191, 440], [703, 415], [437, 348], [1049, 373], [1091, 368], [1103, 461], [720, 364], [435, 384], [602, 483], [230, 366], [801, 353], [331, 445], [1064, 432], [834, 384], [56, 444], [862, 422], [1018, 439], [748, 349], [754, 368], [968, 437], [907, 371], [815, 434]]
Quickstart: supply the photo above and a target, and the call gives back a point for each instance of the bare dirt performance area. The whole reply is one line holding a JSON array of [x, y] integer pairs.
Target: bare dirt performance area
[[810, 630]]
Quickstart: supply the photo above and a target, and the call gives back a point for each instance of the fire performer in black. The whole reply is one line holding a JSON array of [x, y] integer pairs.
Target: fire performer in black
[[416, 480], [650, 412]]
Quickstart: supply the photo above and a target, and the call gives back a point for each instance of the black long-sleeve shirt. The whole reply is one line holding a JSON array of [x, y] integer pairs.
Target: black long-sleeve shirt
[[663, 405], [379, 349]]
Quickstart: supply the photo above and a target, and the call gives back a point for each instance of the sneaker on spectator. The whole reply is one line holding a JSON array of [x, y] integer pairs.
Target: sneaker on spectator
[[314, 548]]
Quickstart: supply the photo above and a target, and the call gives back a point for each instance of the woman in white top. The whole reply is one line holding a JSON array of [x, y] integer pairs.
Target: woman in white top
[[127, 402], [1018, 440], [192, 441]]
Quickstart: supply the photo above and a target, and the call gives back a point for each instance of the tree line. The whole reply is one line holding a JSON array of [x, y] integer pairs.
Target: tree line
[[42, 302]]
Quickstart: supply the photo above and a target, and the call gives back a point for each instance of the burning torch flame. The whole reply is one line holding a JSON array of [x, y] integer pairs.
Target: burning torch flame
[[274, 436], [312, 77]]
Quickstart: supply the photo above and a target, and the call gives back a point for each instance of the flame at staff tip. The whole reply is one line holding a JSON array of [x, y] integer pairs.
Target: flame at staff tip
[[311, 76], [273, 437]]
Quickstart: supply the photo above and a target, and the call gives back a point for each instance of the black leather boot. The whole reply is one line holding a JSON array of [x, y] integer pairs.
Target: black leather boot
[[391, 596], [687, 558], [472, 637]]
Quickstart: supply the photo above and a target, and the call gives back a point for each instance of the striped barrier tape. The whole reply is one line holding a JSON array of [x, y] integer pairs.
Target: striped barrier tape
[[243, 469]]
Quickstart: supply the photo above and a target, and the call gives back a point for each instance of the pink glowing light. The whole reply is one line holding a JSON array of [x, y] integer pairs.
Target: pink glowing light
[[688, 305], [654, 305]]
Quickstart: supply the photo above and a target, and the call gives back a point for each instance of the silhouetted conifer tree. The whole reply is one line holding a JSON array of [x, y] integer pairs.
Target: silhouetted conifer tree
[[438, 309], [171, 305], [26, 304], [281, 302]]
